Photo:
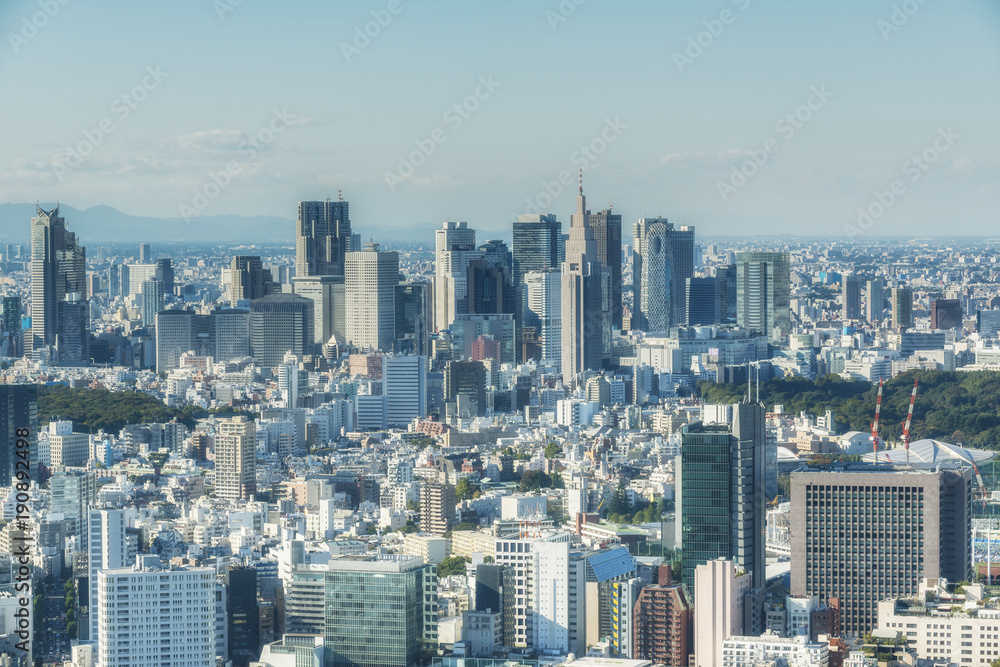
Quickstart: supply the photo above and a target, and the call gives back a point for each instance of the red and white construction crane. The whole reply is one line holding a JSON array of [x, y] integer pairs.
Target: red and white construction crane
[[875, 424]]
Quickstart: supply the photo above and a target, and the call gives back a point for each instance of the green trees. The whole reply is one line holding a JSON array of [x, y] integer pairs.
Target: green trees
[[534, 480], [464, 490], [953, 406], [452, 565], [102, 409], [553, 450]]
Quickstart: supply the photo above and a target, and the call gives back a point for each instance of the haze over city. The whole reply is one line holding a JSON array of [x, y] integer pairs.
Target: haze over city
[[693, 97]]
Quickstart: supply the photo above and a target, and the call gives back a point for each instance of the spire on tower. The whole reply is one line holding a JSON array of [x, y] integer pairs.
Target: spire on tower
[[581, 180]]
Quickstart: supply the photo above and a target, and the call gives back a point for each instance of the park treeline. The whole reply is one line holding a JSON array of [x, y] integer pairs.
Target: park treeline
[[953, 406]]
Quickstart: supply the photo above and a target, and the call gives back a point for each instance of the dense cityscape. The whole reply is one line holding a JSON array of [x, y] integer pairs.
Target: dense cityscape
[[534, 333], [553, 450]]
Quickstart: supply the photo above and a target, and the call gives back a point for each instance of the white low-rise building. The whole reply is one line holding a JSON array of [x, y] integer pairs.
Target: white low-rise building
[[795, 652]]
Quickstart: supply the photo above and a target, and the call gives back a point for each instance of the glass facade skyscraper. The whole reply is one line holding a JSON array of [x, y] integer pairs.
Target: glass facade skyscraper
[[379, 610], [322, 237]]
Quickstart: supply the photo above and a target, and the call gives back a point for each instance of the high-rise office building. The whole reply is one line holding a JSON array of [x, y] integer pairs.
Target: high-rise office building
[[722, 493], [851, 297], [73, 492], [281, 323], [465, 382], [58, 269], [586, 299], [722, 592], [872, 533], [704, 301], [763, 293], [874, 300], [543, 310], [437, 507], [489, 289], [414, 318], [243, 613], [654, 282], [249, 279], [607, 227], [73, 331], [370, 298], [535, 248], [165, 274], [405, 380], [726, 276], [468, 329], [152, 301], [322, 238], [380, 610], [683, 246], [329, 306], [170, 622], [18, 423], [901, 301], [235, 459], [145, 256], [223, 334], [946, 314], [10, 326], [454, 248]]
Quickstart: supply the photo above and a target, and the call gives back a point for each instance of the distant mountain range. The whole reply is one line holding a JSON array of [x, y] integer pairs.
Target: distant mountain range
[[106, 225], [103, 224]]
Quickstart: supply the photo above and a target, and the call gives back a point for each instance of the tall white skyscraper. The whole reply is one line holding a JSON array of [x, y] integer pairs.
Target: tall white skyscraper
[[454, 248], [235, 459], [543, 310], [370, 298], [109, 546], [152, 615]]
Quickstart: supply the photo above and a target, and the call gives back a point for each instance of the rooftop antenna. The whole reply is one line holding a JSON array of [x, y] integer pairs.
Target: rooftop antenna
[[581, 180], [340, 196]]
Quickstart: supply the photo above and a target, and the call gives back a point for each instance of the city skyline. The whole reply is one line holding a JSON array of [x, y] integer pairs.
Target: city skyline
[[665, 137]]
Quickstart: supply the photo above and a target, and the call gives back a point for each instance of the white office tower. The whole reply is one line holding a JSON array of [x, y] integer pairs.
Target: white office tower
[[543, 310], [370, 298], [151, 615], [73, 492], [109, 546], [235, 459], [288, 380], [405, 389], [718, 614], [454, 248]]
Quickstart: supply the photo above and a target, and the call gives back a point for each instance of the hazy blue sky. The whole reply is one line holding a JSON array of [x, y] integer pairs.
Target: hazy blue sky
[[681, 127]]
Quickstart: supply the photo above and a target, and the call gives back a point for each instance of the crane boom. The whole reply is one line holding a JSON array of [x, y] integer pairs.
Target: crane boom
[[875, 424], [909, 420]]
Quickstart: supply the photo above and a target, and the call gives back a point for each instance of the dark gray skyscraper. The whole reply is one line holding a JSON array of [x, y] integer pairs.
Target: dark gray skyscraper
[[249, 279], [145, 256], [58, 269], [536, 245], [165, 274], [607, 228], [704, 306], [722, 492], [682, 244], [322, 236], [281, 323], [851, 297], [18, 410]]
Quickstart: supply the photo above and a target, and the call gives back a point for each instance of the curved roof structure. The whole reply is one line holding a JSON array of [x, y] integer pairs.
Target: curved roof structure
[[929, 453]]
